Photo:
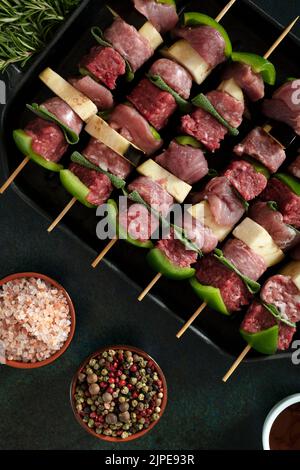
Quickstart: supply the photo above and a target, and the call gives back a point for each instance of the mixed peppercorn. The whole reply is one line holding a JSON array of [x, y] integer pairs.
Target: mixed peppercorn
[[119, 393]]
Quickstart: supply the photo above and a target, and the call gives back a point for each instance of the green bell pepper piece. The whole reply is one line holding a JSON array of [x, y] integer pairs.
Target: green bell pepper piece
[[265, 342], [75, 187], [290, 181], [258, 64], [160, 263], [167, 2], [188, 140], [23, 142], [120, 231], [201, 101], [195, 19], [209, 294], [154, 132], [258, 166]]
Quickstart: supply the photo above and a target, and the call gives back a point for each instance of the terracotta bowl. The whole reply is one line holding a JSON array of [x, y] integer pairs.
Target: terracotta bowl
[[137, 435], [36, 365]]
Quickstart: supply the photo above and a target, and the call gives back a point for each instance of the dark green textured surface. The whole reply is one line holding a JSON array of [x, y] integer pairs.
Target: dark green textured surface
[[203, 413]]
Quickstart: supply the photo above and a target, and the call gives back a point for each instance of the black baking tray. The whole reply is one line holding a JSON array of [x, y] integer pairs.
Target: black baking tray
[[251, 30]]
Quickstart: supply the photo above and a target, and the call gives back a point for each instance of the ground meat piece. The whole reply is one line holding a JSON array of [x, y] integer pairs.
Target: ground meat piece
[[163, 16], [225, 205], [47, 139], [137, 221], [258, 318], [246, 180], [205, 128], [233, 290], [153, 193], [96, 92], [207, 41], [229, 108], [271, 220], [244, 259], [99, 184], [186, 162], [174, 75], [250, 82], [101, 155], [129, 43], [259, 145], [281, 292], [154, 104], [288, 202], [294, 168], [105, 64], [176, 252], [64, 113]]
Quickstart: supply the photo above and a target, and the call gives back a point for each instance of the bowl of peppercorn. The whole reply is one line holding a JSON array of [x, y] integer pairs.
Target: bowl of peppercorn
[[119, 394]]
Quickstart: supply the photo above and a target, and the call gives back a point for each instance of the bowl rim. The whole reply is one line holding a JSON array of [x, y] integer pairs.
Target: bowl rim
[[273, 414], [54, 357], [139, 434]]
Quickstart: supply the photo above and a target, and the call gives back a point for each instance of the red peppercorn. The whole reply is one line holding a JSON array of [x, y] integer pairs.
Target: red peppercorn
[[93, 415], [115, 364], [149, 411], [119, 372], [122, 383], [103, 384], [110, 390], [117, 380], [133, 368], [159, 382], [135, 395], [129, 386], [111, 380], [111, 374]]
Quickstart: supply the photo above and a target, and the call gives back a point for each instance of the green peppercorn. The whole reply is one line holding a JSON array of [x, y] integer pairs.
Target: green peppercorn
[[124, 435], [96, 366], [89, 371], [79, 407], [126, 427], [89, 401], [155, 416], [134, 403], [92, 362], [99, 430], [104, 372], [160, 395], [105, 354], [124, 390], [122, 399], [141, 396], [107, 432], [133, 380], [93, 408], [142, 420], [157, 409], [91, 423]]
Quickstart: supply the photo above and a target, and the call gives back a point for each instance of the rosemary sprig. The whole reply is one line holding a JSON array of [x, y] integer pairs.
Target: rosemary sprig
[[27, 25]]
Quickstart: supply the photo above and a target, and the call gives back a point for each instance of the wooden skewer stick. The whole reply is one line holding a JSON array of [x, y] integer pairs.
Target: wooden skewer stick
[[62, 214], [191, 320], [281, 37], [104, 252], [236, 363], [225, 10], [149, 287], [14, 175], [267, 54]]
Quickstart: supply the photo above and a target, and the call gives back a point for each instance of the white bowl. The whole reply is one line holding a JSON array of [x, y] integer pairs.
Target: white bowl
[[269, 421]]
